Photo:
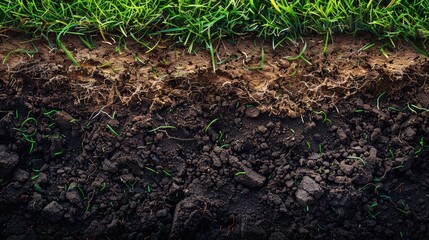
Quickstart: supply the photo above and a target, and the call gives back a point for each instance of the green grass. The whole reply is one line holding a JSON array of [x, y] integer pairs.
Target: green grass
[[203, 23]]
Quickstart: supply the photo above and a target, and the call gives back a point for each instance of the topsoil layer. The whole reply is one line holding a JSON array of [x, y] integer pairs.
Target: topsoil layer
[[143, 143]]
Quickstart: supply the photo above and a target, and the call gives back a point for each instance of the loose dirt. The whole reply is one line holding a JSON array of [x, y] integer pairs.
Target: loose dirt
[[157, 145]]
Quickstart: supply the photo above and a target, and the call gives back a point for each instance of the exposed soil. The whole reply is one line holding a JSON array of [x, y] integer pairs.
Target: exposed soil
[[158, 146]]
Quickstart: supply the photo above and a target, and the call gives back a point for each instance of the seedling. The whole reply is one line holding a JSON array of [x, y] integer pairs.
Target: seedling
[[224, 146], [35, 177], [402, 208], [377, 187], [385, 197], [320, 227], [20, 50], [383, 51], [239, 173], [49, 113], [300, 55], [152, 170], [219, 139], [378, 99], [325, 116], [38, 188], [366, 47], [396, 109], [148, 188], [422, 142], [365, 136], [357, 158], [359, 111], [420, 108], [308, 145], [162, 127], [130, 186], [56, 154], [307, 208], [103, 186], [210, 124], [422, 145], [29, 137], [372, 207], [292, 130], [411, 109], [166, 173], [392, 155], [320, 149], [237, 104], [82, 192], [110, 128]]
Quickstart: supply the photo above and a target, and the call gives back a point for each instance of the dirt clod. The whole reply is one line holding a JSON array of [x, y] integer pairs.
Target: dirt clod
[[308, 190], [252, 112], [53, 211], [8, 161]]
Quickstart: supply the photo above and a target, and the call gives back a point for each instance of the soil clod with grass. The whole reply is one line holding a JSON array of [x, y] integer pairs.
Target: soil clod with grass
[[160, 146]]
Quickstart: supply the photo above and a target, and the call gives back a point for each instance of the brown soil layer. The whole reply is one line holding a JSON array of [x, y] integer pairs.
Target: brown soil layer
[[157, 145]]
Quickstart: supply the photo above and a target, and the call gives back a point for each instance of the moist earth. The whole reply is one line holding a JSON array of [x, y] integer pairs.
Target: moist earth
[[217, 165]]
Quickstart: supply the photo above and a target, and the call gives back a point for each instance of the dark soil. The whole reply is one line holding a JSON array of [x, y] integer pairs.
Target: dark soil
[[203, 155]]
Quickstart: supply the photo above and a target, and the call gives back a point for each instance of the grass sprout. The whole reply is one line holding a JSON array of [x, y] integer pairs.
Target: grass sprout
[[162, 127], [325, 116], [19, 50], [325, 46], [166, 173], [210, 124], [152, 170], [378, 99], [366, 47], [38, 188], [300, 55], [357, 158], [110, 128]]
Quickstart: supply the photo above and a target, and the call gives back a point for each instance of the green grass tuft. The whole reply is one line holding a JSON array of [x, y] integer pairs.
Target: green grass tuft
[[204, 23]]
